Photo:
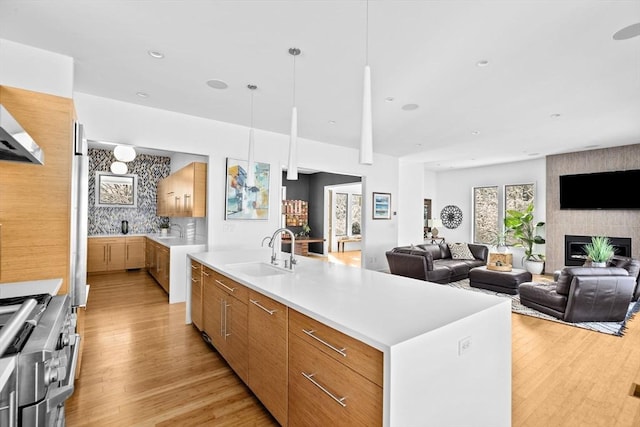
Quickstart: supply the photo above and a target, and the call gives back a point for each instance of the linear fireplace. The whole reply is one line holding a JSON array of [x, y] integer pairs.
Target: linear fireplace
[[574, 253]]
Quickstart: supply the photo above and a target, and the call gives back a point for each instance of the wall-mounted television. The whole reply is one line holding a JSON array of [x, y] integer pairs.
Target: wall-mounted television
[[600, 190]]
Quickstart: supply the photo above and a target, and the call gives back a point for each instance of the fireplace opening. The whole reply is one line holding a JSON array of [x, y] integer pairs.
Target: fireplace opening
[[574, 253]]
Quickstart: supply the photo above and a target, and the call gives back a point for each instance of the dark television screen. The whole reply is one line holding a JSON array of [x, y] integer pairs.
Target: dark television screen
[[601, 190]]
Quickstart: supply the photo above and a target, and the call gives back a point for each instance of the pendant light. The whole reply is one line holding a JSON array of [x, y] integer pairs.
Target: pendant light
[[124, 153], [251, 179], [118, 168], [366, 135], [292, 167]]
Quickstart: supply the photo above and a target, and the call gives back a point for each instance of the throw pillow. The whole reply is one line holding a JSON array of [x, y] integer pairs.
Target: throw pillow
[[460, 251]]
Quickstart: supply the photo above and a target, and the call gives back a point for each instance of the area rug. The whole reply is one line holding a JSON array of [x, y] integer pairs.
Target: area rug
[[611, 328]]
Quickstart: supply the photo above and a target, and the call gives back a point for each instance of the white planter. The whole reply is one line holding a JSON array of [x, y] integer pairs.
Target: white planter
[[534, 267]]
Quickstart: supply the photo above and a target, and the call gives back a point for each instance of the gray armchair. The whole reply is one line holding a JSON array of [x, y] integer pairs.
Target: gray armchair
[[582, 294]]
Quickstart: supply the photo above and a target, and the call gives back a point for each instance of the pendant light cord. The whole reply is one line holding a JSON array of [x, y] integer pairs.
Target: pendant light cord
[[252, 109], [366, 40], [294, 80]]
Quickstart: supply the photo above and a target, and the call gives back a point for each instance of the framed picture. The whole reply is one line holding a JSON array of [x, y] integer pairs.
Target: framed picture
[[381, 206], [241, 200], [116, 191]]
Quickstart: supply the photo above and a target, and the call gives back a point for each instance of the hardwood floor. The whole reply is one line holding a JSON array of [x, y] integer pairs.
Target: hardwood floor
[[143, 366]]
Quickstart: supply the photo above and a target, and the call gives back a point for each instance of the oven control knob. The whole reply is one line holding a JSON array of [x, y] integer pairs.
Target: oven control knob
[[50, 376]]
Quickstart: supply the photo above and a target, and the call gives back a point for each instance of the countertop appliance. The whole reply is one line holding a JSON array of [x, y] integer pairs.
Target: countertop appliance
[[15, 143], [44, 345]]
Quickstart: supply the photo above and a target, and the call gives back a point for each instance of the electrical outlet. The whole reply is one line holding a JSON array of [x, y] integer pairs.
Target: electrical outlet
[[464, 346]]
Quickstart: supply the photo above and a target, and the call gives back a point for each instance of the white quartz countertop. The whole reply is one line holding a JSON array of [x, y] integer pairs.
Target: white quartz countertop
[[32, 287], [377, 308], [169, 240]]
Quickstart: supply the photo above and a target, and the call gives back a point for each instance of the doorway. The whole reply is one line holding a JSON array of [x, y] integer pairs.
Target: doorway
[[343, 213]]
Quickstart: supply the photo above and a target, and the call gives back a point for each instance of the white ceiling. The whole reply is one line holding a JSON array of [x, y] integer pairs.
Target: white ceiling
[[545, 58]]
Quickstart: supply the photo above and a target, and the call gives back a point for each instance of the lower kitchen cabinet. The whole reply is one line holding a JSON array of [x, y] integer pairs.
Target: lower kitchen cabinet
[[196, 294], [336, 380], [268, 353], [303, 371], [135, 252], [115, 253], [158, 263], [105, 254], [225, 318]]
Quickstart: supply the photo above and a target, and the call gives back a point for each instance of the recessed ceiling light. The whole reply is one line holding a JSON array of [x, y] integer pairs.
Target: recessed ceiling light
[[533, 154], [409, 107], [475, 132], [418, 145], [632, 30], [142, 94], [389, 99], [482, 63], [155, 54], [554, 115], [592, 146], [217, 84], [332, 122]]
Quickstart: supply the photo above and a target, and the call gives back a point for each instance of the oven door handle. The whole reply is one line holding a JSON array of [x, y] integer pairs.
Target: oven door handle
[[59, 395]]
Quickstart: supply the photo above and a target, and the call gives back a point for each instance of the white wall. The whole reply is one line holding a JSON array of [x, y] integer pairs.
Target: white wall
[[455, 188], [410, 203], [26, 67], [111, 120]]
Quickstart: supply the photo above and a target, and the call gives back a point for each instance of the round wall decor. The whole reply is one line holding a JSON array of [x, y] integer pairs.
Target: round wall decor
[[451, 216]]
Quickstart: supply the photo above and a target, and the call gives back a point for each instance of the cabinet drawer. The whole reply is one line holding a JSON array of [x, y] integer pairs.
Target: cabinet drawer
[[360, 357], [328, 393], [227, 285]]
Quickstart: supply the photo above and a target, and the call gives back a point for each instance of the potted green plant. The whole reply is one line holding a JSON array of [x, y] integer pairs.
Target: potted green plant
[[524, 230], [599, 251], [164, 228], [305, 230]]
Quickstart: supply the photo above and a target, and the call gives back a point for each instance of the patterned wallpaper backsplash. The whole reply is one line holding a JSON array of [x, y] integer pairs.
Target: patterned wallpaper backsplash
[[142, 219]]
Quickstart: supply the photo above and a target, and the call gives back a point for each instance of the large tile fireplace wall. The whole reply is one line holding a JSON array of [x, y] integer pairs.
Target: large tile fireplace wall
[[611, 223]]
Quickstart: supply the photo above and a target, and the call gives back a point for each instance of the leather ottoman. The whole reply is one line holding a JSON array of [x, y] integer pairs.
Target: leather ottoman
[[506, 282]]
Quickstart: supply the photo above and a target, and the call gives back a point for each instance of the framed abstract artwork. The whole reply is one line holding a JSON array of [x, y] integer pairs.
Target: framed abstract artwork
[[116, 191], [241, 200], [381, 206]]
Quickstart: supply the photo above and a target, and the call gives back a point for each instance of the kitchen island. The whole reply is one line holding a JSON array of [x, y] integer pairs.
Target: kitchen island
[[445, 353]]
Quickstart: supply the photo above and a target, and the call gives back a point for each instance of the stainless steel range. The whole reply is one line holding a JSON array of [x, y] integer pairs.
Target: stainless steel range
[[39, 333]]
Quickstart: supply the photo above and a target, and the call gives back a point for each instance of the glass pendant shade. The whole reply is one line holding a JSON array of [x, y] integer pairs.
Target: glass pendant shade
[[124, 153], [366, 136], [292, 167], [118, 168]]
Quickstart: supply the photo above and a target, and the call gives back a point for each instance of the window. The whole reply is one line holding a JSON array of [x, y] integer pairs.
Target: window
[[356, 213], [341, 214], [485, 214]]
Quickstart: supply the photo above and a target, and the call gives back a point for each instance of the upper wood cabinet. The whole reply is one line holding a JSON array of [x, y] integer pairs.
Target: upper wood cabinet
[[184, 193]]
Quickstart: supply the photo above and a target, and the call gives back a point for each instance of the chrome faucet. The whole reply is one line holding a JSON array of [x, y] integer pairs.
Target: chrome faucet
[[272, 239], [179, 228]]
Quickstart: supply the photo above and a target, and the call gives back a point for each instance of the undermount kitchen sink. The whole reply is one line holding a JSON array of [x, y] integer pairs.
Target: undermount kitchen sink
[[258, 269]]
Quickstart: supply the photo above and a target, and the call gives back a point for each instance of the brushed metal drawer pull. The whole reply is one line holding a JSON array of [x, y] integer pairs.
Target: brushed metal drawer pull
[[257, 303], [226, 287], [194, 280], [195, 267], [340, 400], [205, 273], [342, 351]]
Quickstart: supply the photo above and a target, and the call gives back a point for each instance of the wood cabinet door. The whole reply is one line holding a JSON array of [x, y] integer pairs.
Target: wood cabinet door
[[196, 294], [268, 353], [161, 198], [135, 252], [236, 336], [164, 262], [96, 256], [116, 252], [212, 300]]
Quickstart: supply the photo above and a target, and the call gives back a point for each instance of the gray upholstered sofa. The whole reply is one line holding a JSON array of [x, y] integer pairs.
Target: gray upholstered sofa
[[434, 262]]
